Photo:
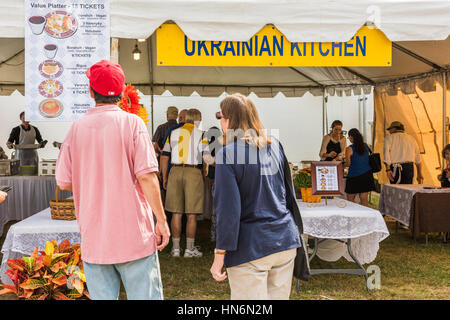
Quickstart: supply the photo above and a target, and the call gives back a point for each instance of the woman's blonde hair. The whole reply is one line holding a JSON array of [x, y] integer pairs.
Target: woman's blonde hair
[[243, 121]]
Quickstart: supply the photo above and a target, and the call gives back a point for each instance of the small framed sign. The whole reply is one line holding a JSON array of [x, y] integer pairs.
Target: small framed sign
[[327, 178]]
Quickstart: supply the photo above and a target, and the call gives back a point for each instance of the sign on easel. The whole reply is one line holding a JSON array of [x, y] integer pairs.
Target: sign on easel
[[327, 178]]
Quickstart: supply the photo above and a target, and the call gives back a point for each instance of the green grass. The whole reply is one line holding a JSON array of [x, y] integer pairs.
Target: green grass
[[409, 270]]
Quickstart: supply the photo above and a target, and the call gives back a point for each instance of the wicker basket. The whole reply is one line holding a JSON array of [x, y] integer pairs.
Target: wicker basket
[[62, 210]]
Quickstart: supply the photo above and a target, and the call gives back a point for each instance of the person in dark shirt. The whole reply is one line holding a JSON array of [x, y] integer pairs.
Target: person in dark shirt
[[25, 134], [158, 137], [360, 176], [444, 177], [256, 234]]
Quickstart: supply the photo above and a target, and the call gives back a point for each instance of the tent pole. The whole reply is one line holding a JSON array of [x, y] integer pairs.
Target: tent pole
[[324, 113], [444, 114], [150, 64], [114, 50]]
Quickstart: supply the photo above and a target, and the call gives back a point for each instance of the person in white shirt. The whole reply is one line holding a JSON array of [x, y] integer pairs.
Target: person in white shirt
[[401, 151], [185, 182]]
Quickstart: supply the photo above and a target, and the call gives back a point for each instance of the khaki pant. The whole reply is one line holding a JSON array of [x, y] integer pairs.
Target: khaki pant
[[268, 278], [185, 191]]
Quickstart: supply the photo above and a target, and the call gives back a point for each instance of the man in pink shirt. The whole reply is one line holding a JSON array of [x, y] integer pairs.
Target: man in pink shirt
[[107, 160]]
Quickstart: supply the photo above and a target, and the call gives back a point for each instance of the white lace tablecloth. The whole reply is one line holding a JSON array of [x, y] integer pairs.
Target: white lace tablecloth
[[396, 200], [34, 232], [365, 226]]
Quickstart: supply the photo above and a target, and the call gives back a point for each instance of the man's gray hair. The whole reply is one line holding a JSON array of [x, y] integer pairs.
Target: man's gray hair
[[193, 115]]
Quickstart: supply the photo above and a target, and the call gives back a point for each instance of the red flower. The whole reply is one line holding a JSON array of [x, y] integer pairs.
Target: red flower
[[130, 100]]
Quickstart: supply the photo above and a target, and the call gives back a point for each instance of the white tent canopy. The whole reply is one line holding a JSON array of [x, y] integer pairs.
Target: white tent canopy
[[419, 30], [238, 20]]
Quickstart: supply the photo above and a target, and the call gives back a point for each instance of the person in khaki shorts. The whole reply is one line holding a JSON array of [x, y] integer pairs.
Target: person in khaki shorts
[[185, 182]]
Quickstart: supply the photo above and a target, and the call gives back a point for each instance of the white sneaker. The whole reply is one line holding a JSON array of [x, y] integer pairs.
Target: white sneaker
[[195, 252], [175, 252]]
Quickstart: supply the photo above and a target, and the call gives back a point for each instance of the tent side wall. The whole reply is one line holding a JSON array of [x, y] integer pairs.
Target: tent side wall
[[422, 114]]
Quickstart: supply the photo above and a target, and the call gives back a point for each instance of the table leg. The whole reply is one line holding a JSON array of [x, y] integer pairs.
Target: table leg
[[316, 246], [361, 271], [426, 239], [350, 252]]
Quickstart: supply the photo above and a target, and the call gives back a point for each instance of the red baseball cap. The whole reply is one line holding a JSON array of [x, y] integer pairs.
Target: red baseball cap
[[106, 78]]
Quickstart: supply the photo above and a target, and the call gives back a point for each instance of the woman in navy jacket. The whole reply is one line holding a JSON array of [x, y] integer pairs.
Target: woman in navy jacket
[[256, 235]]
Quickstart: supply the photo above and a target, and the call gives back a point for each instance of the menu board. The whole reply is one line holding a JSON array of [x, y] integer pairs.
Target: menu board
[[63, 38], [327, 178]]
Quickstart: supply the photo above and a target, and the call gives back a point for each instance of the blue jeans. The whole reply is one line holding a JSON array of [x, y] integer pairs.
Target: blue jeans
[[141, 279]]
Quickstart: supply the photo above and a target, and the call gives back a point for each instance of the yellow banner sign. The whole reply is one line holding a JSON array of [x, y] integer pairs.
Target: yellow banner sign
[[269, 47]]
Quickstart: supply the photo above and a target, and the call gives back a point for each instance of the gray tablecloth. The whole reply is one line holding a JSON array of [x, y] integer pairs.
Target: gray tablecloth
[[29, 195], [396, 200]]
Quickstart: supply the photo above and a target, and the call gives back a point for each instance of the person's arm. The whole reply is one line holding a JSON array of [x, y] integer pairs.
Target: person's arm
[[418, 163], [348, 156], [13, 137], [3, 196], [164, 163], [204, 151], [38, 135], [387, 157], [150, 187], [323, 149], [145, 168], [419, 173], [3, 154], [156, 138], [156, 147], [343, 143], [63, 170], [227, 205]]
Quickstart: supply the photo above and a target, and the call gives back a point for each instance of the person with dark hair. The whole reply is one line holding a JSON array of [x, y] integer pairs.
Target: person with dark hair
[[26, 134], [360, 177], [333, 144], [400, 152], [116, 197], [444, 177], [158, 137]]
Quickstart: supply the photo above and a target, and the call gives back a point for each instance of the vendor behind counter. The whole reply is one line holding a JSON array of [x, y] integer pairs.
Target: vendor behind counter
[[25, 133]]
